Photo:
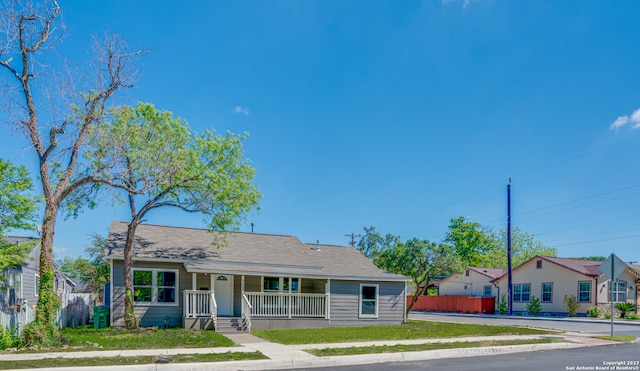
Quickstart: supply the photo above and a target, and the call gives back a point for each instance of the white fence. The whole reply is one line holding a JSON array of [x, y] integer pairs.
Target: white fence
[[76, 309], [287, 305], [17, 319]]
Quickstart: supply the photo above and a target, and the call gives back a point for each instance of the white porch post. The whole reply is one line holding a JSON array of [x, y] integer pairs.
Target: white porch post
[[193, 296], [289, 299], [328, 293], [212, 282]]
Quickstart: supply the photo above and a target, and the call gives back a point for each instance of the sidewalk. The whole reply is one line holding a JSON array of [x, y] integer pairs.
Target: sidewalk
[[293, 356]]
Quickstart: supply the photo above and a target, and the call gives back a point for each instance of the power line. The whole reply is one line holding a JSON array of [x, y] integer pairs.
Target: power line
[[578, 200], [592, 241]]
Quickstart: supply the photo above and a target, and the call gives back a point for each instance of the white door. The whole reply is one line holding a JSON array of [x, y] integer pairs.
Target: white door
[[224, 294]]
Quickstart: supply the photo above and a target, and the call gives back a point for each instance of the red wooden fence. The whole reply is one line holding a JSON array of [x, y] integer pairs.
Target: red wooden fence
[[455, 303]]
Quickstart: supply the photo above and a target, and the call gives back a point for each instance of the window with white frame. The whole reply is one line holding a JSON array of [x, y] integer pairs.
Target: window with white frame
[[547, 292], [521, 292], [619, 291], [280, 284], [368, 301], [291, 284], [271, 284], [155, 286], [14, 286], [487, 290], [584, 291]]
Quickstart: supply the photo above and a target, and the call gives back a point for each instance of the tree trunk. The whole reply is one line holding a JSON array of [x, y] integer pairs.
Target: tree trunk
[[130, 320], [43, 330], [414, 300]]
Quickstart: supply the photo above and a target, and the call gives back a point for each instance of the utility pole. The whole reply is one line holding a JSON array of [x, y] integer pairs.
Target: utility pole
[[353, 239], [510, 302]]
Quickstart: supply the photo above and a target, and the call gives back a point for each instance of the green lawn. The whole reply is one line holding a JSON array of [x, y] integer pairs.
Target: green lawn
[[112, 338], [422, 347], [87, 362], [411, 330]]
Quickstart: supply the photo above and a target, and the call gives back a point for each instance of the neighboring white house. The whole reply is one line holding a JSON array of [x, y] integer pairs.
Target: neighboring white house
[[473, 281], [548, 279]]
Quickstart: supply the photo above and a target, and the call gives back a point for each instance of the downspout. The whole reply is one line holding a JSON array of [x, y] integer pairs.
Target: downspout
[[404, 311], [495, 309]]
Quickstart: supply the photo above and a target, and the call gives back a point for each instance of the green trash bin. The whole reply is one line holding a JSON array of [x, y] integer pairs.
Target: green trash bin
[[101, 316]]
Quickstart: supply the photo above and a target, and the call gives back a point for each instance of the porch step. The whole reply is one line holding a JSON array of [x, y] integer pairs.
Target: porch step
[[231, 325]]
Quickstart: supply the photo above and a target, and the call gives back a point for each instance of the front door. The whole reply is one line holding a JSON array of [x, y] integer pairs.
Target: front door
[[224, 294]]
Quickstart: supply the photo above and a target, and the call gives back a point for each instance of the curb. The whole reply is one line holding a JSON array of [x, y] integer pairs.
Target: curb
[[557, 319]]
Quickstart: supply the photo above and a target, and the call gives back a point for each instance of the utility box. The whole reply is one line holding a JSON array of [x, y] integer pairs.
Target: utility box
[[101, 316]]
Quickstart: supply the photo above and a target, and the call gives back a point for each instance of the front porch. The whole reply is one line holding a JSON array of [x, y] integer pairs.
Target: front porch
[[246, 298]]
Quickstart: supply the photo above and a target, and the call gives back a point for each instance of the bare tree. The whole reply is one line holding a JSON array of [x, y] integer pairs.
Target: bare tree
[[54, 108]]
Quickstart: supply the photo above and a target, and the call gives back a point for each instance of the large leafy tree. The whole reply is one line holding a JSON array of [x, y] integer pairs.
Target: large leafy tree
[[18, 208], [524, 246], [372, 242], [92, 268], [156, 161], [54, 109], [469, 241], [421, 260]]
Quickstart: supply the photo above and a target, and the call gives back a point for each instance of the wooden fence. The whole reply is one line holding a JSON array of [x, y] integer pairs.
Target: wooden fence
[[455, 303]]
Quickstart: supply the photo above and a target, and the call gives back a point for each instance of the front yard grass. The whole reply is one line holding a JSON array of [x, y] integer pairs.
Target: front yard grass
[[413, 329], [422, 347], [117, 361], [620, 338], [88, 338]]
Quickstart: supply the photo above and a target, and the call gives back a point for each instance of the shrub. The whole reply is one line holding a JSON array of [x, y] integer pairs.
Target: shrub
[[571, 304], [8, 338], [503, 307], [594, 312], [534, 307], [624, 308], [607, 315], [632, 316]]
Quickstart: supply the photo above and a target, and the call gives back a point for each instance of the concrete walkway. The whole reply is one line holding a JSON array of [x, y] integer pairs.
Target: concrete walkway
[[294, 356]]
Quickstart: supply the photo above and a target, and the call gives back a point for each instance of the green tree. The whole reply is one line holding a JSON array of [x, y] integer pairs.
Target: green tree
[[469, 241], [157, 161], [93, 270], [54, 107], [18, 208], [372, 242], [421, 260], [523, 247]]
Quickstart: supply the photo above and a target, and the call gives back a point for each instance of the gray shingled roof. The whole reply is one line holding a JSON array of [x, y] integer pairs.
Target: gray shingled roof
[[490, 272], [244, 253]]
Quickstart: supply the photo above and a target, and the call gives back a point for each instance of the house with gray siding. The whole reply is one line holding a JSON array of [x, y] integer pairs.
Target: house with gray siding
[[19, 284], [182, 278]]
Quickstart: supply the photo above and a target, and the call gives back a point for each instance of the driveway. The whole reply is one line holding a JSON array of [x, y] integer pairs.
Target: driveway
[[584, 325]]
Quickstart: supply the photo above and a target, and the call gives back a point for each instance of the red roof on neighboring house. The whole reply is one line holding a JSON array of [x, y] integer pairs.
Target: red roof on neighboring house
[[635, 269], [586, 267]]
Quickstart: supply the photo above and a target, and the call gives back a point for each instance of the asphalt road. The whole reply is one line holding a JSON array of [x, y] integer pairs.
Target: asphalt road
[[586, 326], [586, 358]]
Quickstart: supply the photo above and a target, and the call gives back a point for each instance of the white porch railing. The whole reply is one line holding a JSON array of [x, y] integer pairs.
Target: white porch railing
[[267, 304], [200, 303], [246, 311]]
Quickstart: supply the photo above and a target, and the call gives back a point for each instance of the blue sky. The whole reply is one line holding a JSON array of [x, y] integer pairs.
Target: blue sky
[[397, 114]]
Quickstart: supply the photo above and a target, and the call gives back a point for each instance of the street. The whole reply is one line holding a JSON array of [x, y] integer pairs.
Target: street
[[564, 325], [586, 358]]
